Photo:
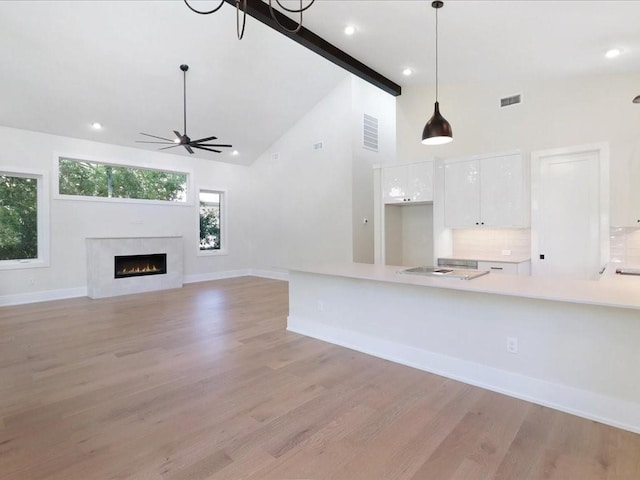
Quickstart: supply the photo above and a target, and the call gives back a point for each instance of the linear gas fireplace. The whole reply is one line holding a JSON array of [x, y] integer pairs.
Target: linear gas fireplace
[[140, 265]]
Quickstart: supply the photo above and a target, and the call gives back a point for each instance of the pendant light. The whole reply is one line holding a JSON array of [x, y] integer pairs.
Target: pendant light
[[437, 131]]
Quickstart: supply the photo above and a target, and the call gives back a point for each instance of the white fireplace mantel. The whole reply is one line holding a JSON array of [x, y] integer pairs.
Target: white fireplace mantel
[[101, 253]]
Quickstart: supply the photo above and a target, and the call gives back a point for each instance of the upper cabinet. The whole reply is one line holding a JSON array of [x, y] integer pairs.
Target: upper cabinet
[[489, 191], [408, 183]]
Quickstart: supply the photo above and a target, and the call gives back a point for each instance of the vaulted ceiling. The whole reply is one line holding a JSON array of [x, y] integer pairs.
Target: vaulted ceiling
[[68, 64]]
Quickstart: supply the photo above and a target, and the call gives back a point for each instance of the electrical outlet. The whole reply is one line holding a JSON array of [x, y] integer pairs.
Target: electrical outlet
[[506, 253], [320, 306], [512, 345]]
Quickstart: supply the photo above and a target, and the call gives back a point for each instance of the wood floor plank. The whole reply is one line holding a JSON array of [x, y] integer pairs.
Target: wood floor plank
[[204, 382]]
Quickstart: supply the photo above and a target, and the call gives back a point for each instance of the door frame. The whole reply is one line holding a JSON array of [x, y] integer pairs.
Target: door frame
[[602, 149]]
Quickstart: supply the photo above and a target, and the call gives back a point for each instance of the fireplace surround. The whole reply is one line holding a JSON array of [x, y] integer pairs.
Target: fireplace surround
[[148, 264]]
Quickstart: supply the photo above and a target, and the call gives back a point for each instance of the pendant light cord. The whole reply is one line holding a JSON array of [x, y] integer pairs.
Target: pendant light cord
[[437, 54]]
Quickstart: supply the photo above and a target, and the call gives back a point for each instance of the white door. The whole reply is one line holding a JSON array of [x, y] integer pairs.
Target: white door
[[567, 215]]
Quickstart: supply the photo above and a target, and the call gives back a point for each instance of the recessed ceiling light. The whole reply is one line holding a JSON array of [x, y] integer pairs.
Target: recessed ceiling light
[[96, 125], [235, 153], [407, 71], [349, 30], [613, 53]]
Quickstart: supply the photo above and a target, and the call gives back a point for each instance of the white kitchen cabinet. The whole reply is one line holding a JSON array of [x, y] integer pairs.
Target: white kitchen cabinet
[[489, 191], [408, 183], [522, 268]]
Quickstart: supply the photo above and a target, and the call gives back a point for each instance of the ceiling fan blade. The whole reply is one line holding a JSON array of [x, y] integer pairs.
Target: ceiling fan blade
[[188, 148], [161, 143], [204, 148], [178, 134], [204, 139], [170, 146], [155, 136], [212, 144]]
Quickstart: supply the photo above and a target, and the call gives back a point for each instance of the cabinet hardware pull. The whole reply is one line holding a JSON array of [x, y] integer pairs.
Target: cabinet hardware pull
[[497, 268]]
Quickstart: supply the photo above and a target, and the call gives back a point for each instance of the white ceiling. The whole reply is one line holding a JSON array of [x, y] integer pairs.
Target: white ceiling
[[67, 64]]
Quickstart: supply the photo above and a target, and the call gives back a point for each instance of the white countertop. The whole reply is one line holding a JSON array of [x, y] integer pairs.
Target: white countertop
[[490, 258], [610, 290]]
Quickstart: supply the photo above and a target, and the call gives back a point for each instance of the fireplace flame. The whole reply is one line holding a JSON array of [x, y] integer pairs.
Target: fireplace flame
[[148, 268]]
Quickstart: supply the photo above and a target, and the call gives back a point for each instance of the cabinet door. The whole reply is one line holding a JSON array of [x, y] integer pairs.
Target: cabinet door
[[420, 182], [462, 194], [394, 184], [499, 267], [503, 192]]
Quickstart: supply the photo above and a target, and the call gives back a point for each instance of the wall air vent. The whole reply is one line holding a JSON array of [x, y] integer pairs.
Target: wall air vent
[[510, 100], [370, 132]]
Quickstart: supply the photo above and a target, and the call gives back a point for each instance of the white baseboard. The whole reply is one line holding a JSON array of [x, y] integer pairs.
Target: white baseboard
[[47, 295], [43, 296], [272, 274], [594, 406], [207, 277]]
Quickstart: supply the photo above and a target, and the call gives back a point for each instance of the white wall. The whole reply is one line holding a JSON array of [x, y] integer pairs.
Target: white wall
[[302, 207], [74, 220], [309, 205], [553, 114], [301, 201], [374, 102]]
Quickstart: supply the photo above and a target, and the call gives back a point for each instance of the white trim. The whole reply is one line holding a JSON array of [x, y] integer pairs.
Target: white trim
[[55, 183], [47, 295], [42, 296], [43, 218], [272, 274], [209, 276], [608, 410]]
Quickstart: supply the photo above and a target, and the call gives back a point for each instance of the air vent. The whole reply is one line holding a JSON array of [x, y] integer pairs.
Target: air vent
[[370, 132], [318, 146], [511, 100]]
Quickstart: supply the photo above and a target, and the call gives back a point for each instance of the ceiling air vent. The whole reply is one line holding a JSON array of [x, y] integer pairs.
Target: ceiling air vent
[[370, 132], [511, 100]]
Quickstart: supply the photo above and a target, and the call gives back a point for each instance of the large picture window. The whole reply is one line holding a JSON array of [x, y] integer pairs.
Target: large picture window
[[93, 179], [23, 220], [212, 221]]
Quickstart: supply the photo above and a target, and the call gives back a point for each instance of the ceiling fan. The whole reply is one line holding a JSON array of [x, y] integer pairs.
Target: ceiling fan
[[184, 140]]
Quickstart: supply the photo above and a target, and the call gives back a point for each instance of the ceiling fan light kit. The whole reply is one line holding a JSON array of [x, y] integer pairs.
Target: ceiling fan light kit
[[437, 131], [183, 139]]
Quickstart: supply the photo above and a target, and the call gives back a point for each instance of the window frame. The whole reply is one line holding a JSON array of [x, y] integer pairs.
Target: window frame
[[55, 180], [42, 212], [224, 199]]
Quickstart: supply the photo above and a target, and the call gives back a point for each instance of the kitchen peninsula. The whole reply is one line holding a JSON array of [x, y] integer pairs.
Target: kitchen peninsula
[[573, 345]]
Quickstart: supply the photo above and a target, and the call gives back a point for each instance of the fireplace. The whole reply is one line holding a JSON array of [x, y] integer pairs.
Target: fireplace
[[140, 265]]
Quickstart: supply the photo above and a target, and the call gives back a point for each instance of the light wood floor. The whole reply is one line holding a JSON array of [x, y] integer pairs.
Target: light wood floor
[[204, 382]]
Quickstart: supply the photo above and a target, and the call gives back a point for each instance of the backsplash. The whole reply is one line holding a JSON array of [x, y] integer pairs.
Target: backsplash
[[625, 245], [480, 242]]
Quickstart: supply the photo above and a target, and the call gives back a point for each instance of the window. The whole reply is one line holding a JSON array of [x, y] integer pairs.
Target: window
[[93, 179], [212, 221], [23, 219]]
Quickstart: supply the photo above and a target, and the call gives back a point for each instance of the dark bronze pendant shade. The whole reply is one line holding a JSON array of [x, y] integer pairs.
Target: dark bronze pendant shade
[[637, 99], [437, 131]]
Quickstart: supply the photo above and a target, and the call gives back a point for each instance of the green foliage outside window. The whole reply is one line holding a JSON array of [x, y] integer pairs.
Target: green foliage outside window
[[89, 179], [210, 220], [18, 218]]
